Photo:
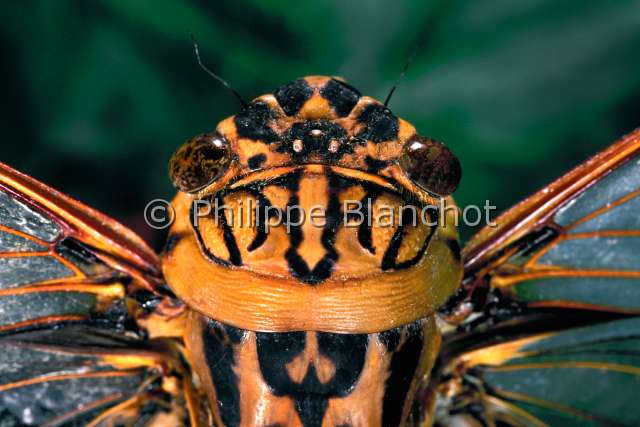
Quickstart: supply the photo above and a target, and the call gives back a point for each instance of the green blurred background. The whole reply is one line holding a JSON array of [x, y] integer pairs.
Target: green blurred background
[[97, 95]]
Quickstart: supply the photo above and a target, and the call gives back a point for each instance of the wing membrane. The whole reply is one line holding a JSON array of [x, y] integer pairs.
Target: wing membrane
[[545, 328], [77, 294], [109, 238], [77, 374], [582, 376], [484, 248]]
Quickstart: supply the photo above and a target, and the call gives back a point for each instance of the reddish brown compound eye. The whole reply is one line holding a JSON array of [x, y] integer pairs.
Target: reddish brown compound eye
[[199, 162], [430, 165]]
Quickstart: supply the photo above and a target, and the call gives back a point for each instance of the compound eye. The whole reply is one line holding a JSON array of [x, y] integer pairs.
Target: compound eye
[[199, 162], [430, 165]]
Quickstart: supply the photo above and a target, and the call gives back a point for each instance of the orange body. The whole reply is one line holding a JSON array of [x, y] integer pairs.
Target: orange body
[[310, 266], [290, 307]]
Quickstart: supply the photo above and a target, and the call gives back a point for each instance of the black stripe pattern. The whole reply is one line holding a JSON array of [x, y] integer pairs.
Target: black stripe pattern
[[334, 220]]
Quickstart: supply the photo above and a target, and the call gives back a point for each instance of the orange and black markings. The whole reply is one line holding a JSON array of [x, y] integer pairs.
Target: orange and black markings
[[313, 379], [328, 320], [311, 251], [313, 265], [316, 119]]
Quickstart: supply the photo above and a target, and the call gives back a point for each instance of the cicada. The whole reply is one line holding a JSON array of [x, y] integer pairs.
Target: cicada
[[245, 319]]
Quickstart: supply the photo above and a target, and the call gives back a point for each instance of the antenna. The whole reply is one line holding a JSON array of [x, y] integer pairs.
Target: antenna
[[400, 77], [214, 75], [422, 37]]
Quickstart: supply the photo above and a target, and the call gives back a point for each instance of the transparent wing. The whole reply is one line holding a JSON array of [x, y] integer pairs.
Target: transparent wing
[[75, 288], [544, 330]]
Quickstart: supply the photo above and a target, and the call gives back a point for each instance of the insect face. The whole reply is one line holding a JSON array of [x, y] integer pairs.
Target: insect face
[[296, 308], [310, 250], [306, 200]]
